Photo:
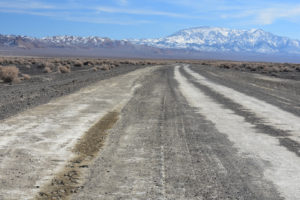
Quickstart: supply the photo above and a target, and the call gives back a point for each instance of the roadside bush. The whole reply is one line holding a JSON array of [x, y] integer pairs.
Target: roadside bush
[[95, 69], [47, 70], [41, 65], [78, 63], [26, 76], [276, 69], [105, 67], [27, 66], [64, 69], [88, 63], [286, 69], [9, 74]]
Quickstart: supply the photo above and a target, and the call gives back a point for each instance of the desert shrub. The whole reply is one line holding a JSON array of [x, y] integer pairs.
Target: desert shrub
[[78, 63], [105, 67], [297, 68], [50, 65], [9, 62], [68, 66], [275, 69], [286, 69], [47, 70], [88, 63], [111, 66], [95, 69], [26, 76], [27, 66], [41, 65], [253, 68], [225, 66], [9, 74], [19, 61], [63, 69], [125, 62]]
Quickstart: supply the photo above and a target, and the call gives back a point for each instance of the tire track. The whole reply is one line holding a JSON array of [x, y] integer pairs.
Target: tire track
[[281, 167], [266, 118], [68, 180], [37, 144]]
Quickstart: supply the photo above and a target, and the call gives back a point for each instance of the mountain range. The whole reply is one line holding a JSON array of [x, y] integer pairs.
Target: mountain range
[[60, 42], [189, 43], [213, 39]]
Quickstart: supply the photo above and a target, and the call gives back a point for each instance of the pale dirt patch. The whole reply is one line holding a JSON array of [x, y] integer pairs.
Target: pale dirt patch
[[271, 114], [37, 143], [273, 79], [68, 181], [282, 167]]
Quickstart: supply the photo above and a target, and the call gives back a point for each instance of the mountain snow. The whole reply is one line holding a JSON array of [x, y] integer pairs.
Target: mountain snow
[[224, 39], [61, 41], [209, 39]]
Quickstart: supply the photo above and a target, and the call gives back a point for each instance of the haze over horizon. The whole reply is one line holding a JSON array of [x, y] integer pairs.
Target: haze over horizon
[[119, 19]]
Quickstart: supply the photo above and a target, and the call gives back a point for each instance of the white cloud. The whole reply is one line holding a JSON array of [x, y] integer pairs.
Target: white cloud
[[140, 12], [19, 4], [123, 2], [101, 20], [267, 15], [90, 15], [256, 12], [270, 15]]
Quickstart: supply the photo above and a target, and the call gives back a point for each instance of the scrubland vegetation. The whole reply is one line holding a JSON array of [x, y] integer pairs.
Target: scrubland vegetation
[[260, 67], [16, 69], [9, 74]]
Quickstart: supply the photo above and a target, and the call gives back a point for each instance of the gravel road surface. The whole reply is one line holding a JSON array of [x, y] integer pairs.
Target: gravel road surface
[[182, 132]]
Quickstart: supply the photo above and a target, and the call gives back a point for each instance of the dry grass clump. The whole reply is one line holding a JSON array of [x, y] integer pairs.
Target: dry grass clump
[[44, 64], [9, 74], [41, 65], [78, 63], [47, 70], [28, 66], [88, 63], [96, 68], [26, 76], [64, 69], [260, 67], [105, 67]]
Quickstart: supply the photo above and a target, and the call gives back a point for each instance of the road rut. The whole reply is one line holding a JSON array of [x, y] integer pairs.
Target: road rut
[[36, 144], [175, 142], [183, 132]]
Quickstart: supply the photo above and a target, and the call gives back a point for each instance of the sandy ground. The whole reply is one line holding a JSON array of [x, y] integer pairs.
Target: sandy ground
[[178, 132], [43, 87], [37, 143], [284, 170]]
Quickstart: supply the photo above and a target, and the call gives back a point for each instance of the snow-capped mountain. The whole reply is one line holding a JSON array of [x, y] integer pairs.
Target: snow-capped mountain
[[82, 42], [60, 42], [195, 43], [225, 40]]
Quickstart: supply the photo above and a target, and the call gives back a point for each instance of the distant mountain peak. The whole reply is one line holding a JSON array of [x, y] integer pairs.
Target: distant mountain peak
[[216, 39], [64, 41], [202, 38]]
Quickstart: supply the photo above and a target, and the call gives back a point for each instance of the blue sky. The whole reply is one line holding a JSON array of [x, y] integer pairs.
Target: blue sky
[[119, 19]]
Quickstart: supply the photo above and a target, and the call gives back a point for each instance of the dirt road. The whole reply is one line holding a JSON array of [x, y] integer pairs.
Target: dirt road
[[181, 132]]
